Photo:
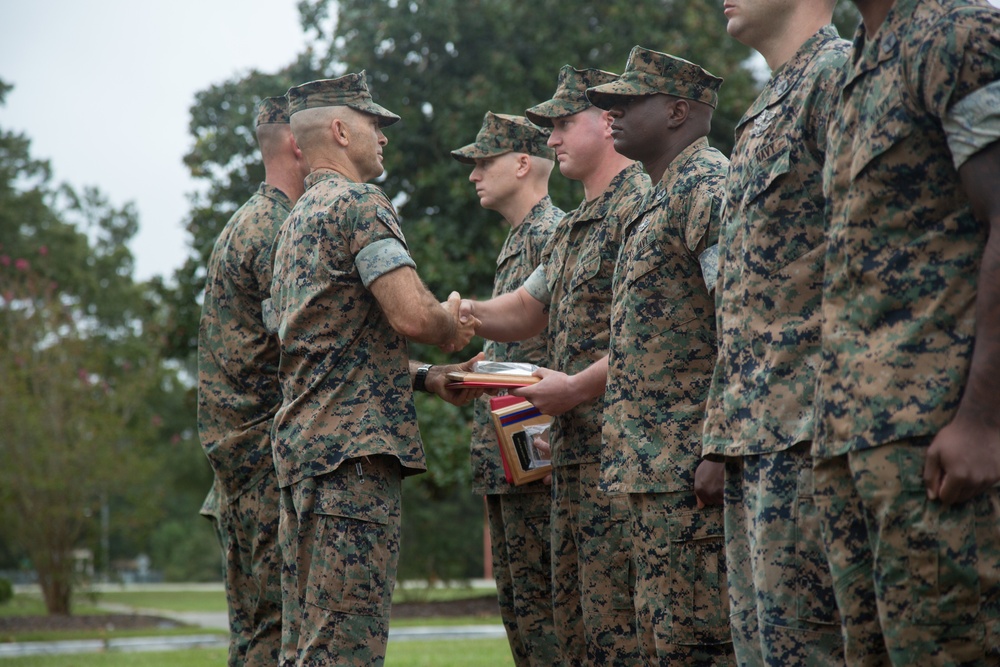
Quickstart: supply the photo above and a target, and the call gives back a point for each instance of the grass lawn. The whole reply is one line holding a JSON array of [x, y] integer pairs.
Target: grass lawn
[[443, 653], [167, 600], [32, 605]]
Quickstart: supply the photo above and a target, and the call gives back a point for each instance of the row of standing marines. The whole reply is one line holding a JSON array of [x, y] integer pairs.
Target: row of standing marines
[[775, 378]]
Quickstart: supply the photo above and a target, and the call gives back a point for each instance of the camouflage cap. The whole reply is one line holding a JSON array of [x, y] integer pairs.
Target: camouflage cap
[[502, 133], [571, 94], [350, 90], [650, 72], [272, 110]]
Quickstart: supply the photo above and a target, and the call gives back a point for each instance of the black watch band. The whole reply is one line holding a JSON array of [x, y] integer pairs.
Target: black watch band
[[420, 379]]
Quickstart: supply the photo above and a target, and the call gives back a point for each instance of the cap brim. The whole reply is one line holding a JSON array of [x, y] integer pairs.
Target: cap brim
[[608, 94], [543, 114], [385, 117], [469, 154]]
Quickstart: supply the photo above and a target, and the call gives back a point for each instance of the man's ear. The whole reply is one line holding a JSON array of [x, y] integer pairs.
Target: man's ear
[[523, 165], [296, 151], [341, 132], [678, 112]]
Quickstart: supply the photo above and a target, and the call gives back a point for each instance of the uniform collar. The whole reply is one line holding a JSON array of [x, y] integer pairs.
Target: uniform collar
[[787, 77]]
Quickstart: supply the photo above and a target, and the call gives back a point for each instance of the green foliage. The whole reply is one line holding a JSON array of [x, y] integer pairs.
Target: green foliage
[[6, 591], [187, 549], [442, 534], [78, 370]]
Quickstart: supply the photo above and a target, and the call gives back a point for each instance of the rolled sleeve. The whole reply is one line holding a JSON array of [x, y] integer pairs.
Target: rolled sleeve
[[381, 257]]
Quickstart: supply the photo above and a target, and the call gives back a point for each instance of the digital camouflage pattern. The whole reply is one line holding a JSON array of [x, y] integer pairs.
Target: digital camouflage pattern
[[593, 583], [682, 611], [350, 90], [520, 539], [344, 370], [518, 515], [903, 249], [589, 544], [253, 575], [771, 253], [935, 586], [760, 406], [238, 396], [570, 96], [899, 299], [783, 608], [575, 282], [662, 344], [651, 72], [503, 133], [272, 110], [343, 529], [520, 255], [662, 351], [238, 390]]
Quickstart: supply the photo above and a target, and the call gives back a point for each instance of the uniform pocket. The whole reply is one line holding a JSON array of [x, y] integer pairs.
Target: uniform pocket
[[815, 600], [889, 127], [700, 609], [353, 559]]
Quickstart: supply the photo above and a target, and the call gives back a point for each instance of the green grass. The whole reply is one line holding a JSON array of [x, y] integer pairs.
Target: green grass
[[32, 605], [168, 600], [443, 653], [186, 658], [66, 635]]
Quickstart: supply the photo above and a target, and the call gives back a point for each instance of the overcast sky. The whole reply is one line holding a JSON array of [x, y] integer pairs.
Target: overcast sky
[[103, 88]]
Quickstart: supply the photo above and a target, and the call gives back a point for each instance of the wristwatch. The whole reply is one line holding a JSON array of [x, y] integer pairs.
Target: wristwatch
[[420, 379]]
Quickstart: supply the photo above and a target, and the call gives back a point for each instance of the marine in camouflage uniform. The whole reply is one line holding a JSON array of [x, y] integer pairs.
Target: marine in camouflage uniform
[[760, 407], [346, 432], [571, 293], [662, 352], [239, 394], [518, 516], [909, 384]]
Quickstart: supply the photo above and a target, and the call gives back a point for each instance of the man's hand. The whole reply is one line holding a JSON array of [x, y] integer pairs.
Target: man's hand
[[709, 479], [465, 328], [555, 394], [962, 461], [541, 443], [437, 382]]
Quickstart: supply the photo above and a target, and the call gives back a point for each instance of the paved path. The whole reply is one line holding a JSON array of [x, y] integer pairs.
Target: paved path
[[215, 621]]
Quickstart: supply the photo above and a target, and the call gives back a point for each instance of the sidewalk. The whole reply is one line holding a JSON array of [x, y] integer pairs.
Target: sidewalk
[[215, 621]]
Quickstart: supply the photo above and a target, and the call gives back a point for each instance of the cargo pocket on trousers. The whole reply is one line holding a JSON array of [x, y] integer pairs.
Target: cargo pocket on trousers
[[351, 555], [815, 601], [622, 570], [698, 557], [939, 579]]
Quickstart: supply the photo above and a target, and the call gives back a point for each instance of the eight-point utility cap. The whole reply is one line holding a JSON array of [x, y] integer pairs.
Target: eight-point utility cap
[[571, 94], [350, 90], [273, 110], [503, 133], [650, 72]]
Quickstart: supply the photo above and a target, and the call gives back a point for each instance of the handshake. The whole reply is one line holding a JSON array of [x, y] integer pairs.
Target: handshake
[[465, 323]]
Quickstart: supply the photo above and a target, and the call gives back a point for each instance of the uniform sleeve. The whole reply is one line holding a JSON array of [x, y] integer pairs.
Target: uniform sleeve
[[960, 56], [537, 285], [376, 238], [973, 123]]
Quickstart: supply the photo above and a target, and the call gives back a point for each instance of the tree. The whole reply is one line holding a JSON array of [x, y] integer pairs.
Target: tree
[[75, 367]]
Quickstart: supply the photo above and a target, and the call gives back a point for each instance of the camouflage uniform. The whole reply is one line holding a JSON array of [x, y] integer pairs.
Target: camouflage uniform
[[238, 395], [518, 515], [592, 584], [591, 579], [899, 299], [760, 408], [661, 358], [346, 432]]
